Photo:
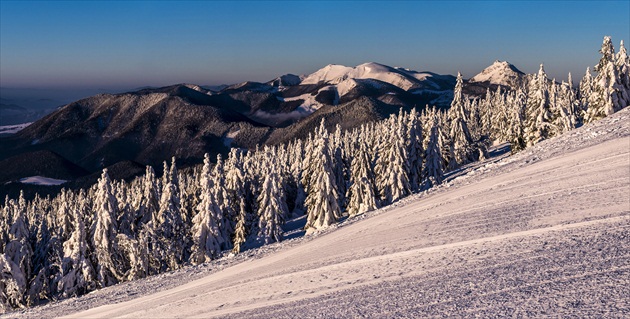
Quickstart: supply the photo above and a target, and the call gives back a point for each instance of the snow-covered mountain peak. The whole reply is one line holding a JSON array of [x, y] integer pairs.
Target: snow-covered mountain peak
[[500, 73], [327, 74], [335, 74]]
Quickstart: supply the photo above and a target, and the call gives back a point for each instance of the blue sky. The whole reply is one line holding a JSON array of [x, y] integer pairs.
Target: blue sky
[[122, 44]]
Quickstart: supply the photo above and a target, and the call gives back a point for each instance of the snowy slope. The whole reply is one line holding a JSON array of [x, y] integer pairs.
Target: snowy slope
[[12, 129], [542, 232], [41, 180]]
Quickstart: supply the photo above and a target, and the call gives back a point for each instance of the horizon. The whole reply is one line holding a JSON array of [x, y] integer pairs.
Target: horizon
[[109, 46]]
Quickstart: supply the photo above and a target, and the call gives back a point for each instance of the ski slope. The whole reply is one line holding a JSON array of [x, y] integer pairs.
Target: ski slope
[[545, 232]]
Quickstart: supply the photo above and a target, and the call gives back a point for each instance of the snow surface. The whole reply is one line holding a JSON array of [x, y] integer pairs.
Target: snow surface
[[12, 129], [229, 137], [543, 232], [40, 180]]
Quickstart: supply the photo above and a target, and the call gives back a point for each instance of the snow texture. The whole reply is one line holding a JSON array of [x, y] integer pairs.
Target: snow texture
[[541, 232], [41, 180], [12, 129]]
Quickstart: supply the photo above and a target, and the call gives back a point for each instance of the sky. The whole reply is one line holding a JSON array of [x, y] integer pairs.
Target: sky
[[128, 44]]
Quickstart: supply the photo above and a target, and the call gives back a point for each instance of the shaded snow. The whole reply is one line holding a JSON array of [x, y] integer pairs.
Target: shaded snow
[[12, 129], [40, 180], [229, 137], [542, 232]]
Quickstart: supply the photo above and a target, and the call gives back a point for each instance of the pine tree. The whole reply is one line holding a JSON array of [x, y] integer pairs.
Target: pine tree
[[608, 95], [12, 285], [463, 146], [433, 162], [18, 253], [227, 221], [515, 134], [170, 226], [104, 231], [362, 191], [622, 62], [206, 235], [322, 194], [78, 276], [391, 168], [538, 117], [240, 232], [271, 208], [585, 92], [414, 150]]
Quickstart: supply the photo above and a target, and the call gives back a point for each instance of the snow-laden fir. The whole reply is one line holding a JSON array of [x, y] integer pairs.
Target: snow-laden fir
[[53, 248]]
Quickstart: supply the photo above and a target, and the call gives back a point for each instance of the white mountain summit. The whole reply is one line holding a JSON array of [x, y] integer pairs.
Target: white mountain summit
[[501, 73]]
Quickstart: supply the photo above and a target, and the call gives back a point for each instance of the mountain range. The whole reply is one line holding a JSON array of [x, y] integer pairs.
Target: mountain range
[[150, 125]]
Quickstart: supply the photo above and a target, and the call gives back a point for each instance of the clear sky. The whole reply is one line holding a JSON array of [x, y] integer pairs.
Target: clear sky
[[128, 44]]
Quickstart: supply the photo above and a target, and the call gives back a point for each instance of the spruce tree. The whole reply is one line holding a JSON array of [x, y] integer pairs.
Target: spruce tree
[[104, 231], [206, 236], [322, 194], [391, 168], [538, 116], [608, 94], [271, 207], [78, 275], [362, 192], [433, 162], [463, 146], [170, 228]]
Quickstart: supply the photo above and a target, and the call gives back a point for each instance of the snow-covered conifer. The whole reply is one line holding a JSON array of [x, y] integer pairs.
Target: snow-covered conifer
[[322, 194], [206, 236], [415, 152], [433, 162], [391, 169], [170, 227], [104, 231], [362, 191], [538, 116], [607, 96], [271, 207], [464, 147], [78, 275]]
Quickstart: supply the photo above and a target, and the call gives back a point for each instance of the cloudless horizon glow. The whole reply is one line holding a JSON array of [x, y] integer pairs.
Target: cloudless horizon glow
[[127, 44]]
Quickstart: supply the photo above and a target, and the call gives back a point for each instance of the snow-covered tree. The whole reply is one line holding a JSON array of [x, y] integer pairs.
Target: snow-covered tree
[[227, 221], [391, 167], [12, 285], [206, 236], [170, 228], [585, 92], [538, 114], [78, 275], [464, 148], [104, 231], [271, 207], [608, 94], [322, 194], [433, 162], [241, 229], [415, 152], [362, 192]]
